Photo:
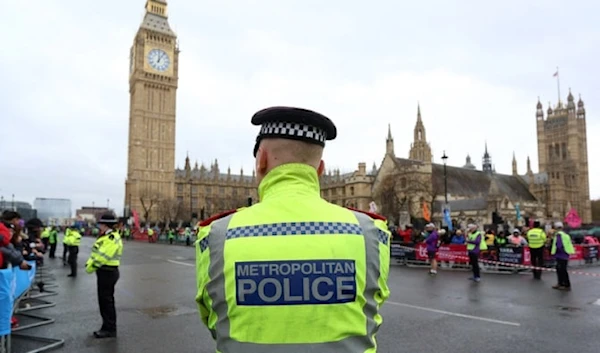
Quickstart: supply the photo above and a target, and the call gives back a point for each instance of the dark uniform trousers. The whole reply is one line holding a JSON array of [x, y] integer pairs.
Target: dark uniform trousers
[[65, 253], [107, 279], [562, 274], [52, 250], [73, 251], [537, 260]]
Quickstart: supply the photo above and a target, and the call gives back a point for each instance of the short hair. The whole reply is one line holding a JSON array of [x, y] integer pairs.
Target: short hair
[[295, 151], [10, 215]]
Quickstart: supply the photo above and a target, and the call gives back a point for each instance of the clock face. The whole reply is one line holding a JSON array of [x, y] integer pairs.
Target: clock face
[[159, 60]]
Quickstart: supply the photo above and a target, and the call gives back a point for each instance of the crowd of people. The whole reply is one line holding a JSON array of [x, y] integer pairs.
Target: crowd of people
[[536, 238]]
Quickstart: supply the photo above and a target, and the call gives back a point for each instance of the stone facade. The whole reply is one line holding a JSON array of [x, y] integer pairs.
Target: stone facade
[[153, 79], [563, 178], [351, 189]]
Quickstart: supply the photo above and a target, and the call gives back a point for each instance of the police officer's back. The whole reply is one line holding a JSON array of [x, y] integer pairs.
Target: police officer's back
[[292, 273]]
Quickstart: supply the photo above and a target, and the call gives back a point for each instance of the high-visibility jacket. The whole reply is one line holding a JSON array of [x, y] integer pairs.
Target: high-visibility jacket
[[106, 251], [46, 233], [66, 236], [73, 238], [566, 241], [293, 273], [536, 238], [472, 238], [53, 236]]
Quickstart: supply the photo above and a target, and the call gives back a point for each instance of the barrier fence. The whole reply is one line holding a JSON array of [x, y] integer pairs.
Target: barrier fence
[[509, 258], [20, 292]]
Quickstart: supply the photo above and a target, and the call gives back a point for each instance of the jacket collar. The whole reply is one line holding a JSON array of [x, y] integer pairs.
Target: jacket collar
[[291, 178]]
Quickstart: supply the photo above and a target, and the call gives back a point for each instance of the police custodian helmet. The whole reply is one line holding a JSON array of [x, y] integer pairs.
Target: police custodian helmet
[[295, 124], [108, 219]]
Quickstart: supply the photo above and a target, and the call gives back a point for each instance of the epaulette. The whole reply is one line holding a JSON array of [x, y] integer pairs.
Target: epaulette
[[372, 215], [208, 221]]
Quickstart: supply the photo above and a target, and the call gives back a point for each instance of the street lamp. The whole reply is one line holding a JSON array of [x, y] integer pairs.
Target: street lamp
[[107, 203], [13, 202], [445, 158]]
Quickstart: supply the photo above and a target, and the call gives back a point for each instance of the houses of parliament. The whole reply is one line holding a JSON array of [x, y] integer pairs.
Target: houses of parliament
[[158, 191]]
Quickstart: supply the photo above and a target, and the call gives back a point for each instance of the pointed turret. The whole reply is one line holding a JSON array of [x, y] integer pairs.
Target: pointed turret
[[389, 142], [570, 102], [580, 108], [539, 114], [529, 171], [187, 162], [514, 165], [487, 161], [550, 111], [420, 149], [196, 165]]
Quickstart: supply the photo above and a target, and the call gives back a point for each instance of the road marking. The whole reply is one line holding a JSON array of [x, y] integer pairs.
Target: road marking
[[457, 314], [181, 263]]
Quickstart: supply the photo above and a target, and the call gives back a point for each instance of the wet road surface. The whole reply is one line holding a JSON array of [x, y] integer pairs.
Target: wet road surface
[[447, 313]]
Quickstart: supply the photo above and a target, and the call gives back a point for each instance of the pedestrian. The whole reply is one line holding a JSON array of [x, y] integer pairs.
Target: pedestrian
[[74, 242], [105, 260], [292, 273], [536, 237], [562, 248], [431, 242], [475, 243]]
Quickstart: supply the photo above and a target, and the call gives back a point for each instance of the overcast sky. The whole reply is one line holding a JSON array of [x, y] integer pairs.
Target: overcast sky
[[476, 67]]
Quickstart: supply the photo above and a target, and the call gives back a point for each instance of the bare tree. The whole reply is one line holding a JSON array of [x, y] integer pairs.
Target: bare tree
[[170, 209], [149, 200], [391, 202]]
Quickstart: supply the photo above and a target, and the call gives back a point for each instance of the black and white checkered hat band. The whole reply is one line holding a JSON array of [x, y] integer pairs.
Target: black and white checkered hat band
[[295, 130]]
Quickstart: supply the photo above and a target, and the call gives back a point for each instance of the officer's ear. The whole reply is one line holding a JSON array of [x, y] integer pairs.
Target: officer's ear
[[321, 168], [261, 161]]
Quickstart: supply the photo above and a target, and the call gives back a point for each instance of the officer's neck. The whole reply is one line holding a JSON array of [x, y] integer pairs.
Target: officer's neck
[[290, 178]]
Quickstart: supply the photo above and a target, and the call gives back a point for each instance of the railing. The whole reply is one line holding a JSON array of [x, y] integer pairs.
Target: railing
[[454, 255], [21, 292]]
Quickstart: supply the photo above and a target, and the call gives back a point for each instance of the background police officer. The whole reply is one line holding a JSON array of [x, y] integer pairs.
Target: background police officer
[[105, 260], [293, 273], [536, 237], [74, 242]]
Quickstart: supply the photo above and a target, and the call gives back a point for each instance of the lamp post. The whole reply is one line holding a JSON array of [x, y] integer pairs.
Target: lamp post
[[445, 158], [107, 204], [13, 202]]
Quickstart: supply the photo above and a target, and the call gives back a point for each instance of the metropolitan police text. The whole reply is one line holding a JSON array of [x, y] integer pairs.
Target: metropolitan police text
[[295, 282]]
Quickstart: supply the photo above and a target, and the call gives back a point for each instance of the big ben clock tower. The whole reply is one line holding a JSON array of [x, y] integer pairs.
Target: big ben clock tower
[[153, 76]]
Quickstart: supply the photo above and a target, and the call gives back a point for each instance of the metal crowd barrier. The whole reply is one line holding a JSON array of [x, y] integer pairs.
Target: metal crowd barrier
[[31, 300], [453, 256]]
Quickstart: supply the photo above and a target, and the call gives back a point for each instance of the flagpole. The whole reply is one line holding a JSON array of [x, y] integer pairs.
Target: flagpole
[[558, 83]]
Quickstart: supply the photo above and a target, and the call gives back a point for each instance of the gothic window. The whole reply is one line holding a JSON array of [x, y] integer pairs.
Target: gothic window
[[222, 190], [557, 150], [564, 150], [234, 192], [557, 175], [208, 190], [179, 188], [180, 199], [247, 192], [352, 190], [505, 204], [194, 189], [419, 135], [549, 151]]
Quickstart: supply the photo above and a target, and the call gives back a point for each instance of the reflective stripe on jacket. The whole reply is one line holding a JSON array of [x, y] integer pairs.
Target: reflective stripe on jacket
[[293, 260]]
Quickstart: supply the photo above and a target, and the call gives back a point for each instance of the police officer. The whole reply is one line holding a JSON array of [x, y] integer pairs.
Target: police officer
[[562, 249], [105, 260], [475, 243], [66, 241], [74, 242], [293, 273], [537, 241]]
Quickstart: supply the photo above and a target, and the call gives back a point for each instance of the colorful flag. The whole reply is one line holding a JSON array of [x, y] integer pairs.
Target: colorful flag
[[426, 213], [572, 219], [447, 218]]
